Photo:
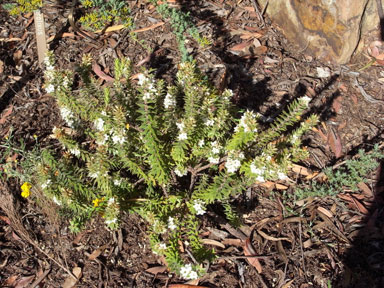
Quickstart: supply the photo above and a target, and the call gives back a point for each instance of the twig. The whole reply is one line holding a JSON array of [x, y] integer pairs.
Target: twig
[[261, 18], [41, 278], [302, 251]]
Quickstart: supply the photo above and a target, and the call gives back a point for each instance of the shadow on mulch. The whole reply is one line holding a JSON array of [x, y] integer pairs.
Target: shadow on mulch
[[364, 261]]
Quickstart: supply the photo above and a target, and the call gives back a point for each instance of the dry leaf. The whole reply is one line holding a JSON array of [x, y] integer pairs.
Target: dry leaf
[[5, 219], [9, 282], [233, 242], [280, 186], [241, 46], [249, 251], [157, 269], [6, 114], [97, 69], [70, 281], [288, 284], [334, 142], [185, 286], [97, 252], [213, 242], [1, 67], [270, 238], [17, 56], [149, 28], [24, 282], [9, 39], [300, 170], [366, 190], [325, 212]]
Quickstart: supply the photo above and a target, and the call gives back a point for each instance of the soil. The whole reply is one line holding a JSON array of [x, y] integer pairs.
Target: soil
[[330, 242]]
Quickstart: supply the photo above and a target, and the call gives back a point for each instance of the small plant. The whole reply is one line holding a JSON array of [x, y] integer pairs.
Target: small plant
[[348, 176], [181, 24], [23, 6], [164, 152], [104, 13]]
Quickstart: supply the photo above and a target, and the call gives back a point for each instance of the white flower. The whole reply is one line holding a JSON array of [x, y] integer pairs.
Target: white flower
[[181, 173], [67, 116], [214, 160], [112, 221], [281, 176], [201, 143], [241, 155], [294, 138], [180, 126], [171, 223], [103, 140], [111, 201], [66, 82], [103, 113], [142, 79], [215, 147], [50, 88], [305, 99], [162, 246], [146, 96], [187, 273], [198, 205], [209, 122], [260, 178], [117, 182], [46, 184], [215, 150], [94, 175], [57, 201], [75, 151], [182, 136], [232, 165], [99, 124], [118, 139], [169, 101], [256, 170]]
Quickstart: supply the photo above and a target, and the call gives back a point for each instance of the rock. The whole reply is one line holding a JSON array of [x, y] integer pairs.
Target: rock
[[330, 30]]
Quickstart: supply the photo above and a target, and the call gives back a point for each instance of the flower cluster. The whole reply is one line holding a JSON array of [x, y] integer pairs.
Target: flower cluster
[[169, 101], [182, 134], [187, 272], [26, 189], [68, 116], [148, 85], [234, 162], [215, 153], [259, 172], [248, 122], [171, 223], [199, 207]]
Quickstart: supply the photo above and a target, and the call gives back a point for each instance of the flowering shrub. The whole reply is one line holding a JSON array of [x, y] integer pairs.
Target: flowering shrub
[[164, 152], [23, 6]]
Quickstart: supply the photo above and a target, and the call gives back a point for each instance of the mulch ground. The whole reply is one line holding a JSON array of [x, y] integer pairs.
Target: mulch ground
[[331, 242]]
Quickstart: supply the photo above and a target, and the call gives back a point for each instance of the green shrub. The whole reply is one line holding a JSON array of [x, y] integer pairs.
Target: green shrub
[[348, 176], [23, 6], [104, 13], [164, 152]]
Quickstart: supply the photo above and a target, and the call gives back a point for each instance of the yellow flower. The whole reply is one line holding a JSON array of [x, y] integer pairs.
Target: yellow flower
[[26, 189], [96, 202], [127, 126]]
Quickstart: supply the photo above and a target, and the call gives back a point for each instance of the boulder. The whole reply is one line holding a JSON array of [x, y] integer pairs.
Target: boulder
[[330, 30]]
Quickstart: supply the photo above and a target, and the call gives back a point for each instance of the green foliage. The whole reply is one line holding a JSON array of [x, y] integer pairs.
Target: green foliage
[[103, 13], [164, 152], [181, 24], [23, 6], [348, 176]]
